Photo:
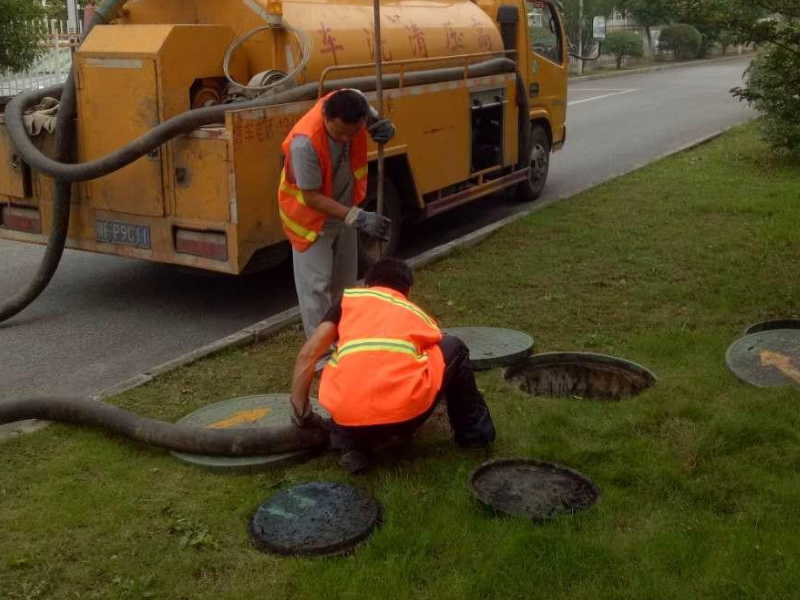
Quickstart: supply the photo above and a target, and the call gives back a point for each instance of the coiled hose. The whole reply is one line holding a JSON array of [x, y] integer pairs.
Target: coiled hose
[[181, 438]]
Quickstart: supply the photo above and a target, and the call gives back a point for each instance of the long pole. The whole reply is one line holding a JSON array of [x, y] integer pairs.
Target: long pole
[[580, 37], [376, 8]]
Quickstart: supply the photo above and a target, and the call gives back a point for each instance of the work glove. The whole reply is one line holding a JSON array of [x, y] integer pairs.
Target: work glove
[[381, 131], [371, 223]]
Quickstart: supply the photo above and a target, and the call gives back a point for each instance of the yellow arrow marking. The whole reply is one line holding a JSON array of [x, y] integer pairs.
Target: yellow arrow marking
[[781, 362], [239, 418]]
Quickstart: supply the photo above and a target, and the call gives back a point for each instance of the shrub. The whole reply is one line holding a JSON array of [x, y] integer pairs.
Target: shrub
[[682, 40], [622, 44], [772, 87]]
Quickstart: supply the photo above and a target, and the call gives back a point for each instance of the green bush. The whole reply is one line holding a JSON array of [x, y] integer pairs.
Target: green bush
[[622, 44], [682, 40], [20, 35], [772, 88]]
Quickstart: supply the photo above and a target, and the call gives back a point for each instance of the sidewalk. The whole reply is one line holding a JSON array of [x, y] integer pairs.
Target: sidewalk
[[658, 67]]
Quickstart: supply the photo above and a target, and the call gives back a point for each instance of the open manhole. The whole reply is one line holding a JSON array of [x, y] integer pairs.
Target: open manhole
[[267, 410], [773, 324], [769, 358], [491, 347], [317, 518], [531, 488], [582, 374]]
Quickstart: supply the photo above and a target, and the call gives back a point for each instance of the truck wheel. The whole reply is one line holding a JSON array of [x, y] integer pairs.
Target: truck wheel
[[530, 190], [370, 249]]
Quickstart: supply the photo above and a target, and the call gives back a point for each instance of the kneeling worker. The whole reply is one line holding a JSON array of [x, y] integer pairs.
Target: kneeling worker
[[390, 368]]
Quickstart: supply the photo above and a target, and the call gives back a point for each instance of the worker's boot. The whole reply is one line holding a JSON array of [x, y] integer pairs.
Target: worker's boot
[[354, 461]]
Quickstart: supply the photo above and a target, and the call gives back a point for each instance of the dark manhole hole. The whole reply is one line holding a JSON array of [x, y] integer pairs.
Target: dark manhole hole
[[582, 374], [491, 347], [769, 358], [531, 488], [773, 324], [267, 410], [317, 518]]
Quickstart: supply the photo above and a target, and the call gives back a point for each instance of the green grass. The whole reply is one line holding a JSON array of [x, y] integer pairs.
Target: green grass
[[700, 475]]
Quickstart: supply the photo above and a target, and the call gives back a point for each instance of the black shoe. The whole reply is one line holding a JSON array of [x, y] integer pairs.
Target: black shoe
[[354, 462]]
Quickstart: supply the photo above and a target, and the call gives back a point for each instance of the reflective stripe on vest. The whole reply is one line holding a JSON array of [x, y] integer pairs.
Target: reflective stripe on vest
[[388, 366]]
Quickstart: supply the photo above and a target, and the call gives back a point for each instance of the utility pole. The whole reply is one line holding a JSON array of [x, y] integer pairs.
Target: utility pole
[[580, 37]]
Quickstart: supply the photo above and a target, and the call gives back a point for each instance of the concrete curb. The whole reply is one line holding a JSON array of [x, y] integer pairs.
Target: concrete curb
[[663, 67]]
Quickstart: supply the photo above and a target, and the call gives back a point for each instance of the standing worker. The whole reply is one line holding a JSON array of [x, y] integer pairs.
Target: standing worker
[[323, 182], [390, 368]]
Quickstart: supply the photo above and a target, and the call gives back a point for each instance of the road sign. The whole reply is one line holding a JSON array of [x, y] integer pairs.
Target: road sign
[[599, 28]]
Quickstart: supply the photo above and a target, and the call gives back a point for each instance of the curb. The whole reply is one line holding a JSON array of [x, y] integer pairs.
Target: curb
[[664, 67]]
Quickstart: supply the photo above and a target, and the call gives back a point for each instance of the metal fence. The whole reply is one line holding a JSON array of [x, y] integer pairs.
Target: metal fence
[[52, 66]]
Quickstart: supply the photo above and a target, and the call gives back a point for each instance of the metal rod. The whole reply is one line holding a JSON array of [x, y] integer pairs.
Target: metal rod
[[379, 92]]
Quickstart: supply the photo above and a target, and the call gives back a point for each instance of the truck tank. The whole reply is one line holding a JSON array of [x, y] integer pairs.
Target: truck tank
[[339, 31]]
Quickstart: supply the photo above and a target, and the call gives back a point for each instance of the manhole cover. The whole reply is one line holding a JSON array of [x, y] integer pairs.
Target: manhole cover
[[774, 324], [269, 410], [768, 358], [491, 347], [318, 518], [531, 488], [582, 374]]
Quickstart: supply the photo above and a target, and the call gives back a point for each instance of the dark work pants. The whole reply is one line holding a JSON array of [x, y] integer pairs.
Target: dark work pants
[[466, 409]]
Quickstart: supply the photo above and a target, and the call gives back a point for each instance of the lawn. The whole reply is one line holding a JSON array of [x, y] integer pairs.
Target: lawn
[[700, 475]]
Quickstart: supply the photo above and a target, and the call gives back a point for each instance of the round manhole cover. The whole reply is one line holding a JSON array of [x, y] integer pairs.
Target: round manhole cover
[[268, 410], [773, 324], [318, 518], [769, 358], [531, 488], [491, 347], [580, 374]]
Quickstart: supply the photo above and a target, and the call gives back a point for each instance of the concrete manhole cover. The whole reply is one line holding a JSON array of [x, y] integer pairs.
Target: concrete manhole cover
[[582, 374], [318, 518], [268, 410], [491, 347], [531, 488], [769, 358], [773, 324]]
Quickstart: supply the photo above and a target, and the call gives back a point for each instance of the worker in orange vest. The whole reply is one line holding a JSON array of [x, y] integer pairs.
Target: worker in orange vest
[[323, 182], [391, 366]]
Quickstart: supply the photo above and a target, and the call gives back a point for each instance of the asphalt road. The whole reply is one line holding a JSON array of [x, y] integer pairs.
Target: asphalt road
[[104, 319]]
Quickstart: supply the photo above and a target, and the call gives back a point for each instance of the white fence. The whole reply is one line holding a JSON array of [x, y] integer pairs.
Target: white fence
[[52, 67]]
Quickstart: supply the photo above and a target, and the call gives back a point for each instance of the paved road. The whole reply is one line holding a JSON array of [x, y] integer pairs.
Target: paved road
[[104, 319]]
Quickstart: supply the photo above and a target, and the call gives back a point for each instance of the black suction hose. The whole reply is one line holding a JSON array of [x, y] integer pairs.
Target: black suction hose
[[65, 142], [181, 438]]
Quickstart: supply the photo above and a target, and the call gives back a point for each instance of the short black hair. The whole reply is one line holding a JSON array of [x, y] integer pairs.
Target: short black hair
[[348, 105], [392, 273]]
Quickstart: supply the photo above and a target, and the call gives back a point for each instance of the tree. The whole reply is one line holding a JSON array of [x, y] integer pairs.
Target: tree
[[682, 40], [591, 9], [622, 44], [772, 83], [21, 34], [650, 13]]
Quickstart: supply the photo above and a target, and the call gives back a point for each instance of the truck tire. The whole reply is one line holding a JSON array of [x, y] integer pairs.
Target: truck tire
[[369, 249], [530, 190]]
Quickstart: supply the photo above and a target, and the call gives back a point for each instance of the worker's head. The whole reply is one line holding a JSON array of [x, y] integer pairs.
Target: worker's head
[[345, 113], [392, 273]]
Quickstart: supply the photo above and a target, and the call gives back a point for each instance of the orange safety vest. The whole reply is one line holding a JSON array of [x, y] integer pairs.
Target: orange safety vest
[[388, 366], [301, 223]]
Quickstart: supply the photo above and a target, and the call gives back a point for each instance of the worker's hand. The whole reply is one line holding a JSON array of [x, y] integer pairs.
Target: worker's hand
[[308, 419], [371, 223], [381, 131]]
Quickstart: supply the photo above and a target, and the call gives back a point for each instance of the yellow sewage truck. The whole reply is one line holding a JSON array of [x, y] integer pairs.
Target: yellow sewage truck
[[180, 107]]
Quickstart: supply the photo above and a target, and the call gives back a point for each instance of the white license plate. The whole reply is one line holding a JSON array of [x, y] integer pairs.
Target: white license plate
[[117, 232]]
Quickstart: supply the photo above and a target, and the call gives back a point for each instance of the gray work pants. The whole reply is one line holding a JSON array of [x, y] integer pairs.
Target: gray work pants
[[322, 272]]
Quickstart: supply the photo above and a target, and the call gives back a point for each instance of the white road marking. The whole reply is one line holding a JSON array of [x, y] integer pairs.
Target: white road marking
[[574, 102]]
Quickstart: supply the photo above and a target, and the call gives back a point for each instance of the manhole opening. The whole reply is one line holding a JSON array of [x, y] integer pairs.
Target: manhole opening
[[532, 489], [773, 324], [585, 375]]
